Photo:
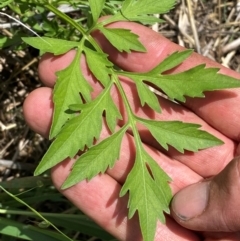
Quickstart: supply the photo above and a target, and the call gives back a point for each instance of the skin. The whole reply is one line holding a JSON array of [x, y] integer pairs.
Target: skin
[[218, 114]]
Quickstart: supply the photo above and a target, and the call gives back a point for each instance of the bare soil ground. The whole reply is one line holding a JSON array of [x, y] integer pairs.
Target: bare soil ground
[[212, 28]]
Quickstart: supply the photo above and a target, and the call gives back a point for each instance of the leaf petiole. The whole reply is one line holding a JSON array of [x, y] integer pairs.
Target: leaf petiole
[[65, 18]]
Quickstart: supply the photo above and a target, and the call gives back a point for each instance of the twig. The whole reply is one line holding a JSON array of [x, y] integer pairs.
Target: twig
[[182, 26], [234, 45], [228, 58], [169, 20], [193, 26], [156, 25], [33, 61]]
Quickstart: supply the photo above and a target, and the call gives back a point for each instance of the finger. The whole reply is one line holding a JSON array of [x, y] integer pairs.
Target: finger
[[221, 236], [237, 153], [38, 110], [212, 205], [99, 199]]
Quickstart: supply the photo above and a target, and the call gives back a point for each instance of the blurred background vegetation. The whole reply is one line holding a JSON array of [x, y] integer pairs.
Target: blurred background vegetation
[[211, 28]]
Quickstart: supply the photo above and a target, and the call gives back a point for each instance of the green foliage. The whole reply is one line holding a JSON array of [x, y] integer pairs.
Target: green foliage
[[182, 136], [99, 60], [96, 7], [72, 79], [63, 236], [78, 118], [147, 188], [97, 159], [16, 204], [5, 3], [192, 82], [50, 45], [122, 39], [6, 42], [139, 10]]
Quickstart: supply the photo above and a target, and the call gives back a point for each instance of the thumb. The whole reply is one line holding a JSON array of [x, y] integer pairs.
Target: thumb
[[211, 205]]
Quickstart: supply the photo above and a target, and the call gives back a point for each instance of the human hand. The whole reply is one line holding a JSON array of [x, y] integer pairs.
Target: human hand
[[99, 198], [212, 205]]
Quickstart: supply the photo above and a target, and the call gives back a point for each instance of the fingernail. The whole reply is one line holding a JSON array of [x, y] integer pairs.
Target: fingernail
[[191, 201]]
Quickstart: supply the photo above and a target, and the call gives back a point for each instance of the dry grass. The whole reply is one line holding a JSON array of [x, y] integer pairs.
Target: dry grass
[[212, 28]]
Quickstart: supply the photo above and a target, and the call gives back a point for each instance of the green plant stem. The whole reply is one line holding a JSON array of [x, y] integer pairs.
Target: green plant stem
[[132, 120], [35, 212], [93, 42], [124, 98], [112, 19], [77, 26], [50, 215], [66, 18]]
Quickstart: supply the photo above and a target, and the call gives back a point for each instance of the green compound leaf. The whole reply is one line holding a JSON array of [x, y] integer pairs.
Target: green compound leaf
[[147, 96], [137, 10], [112, 114], [123, 39], [99, 65], [78, 133], [193, 82], [50, 45], [97, 159], [171, 61], [182, 136], [69, 85], [96, 8], [149, 193]]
